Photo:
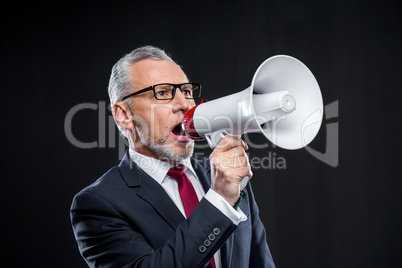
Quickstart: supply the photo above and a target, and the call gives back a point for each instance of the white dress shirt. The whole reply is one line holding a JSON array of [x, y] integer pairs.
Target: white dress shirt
[[158, 170]]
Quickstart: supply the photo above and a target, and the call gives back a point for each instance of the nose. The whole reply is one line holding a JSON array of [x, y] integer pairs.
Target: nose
[[180, 102]]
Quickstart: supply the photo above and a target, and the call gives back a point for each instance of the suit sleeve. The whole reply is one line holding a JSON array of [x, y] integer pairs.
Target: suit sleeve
[[105, 239]]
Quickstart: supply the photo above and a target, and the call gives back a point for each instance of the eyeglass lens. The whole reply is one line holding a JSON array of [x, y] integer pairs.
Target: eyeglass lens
[[166, 91]]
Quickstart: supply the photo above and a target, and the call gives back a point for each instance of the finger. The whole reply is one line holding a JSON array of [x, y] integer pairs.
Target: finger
[[227, 157], [239, 158], [244, 172], [235, 152], [232, 162], [240, 161]]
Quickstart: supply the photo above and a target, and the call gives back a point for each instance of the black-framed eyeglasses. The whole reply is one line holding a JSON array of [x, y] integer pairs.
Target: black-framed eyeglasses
[[167, 91]]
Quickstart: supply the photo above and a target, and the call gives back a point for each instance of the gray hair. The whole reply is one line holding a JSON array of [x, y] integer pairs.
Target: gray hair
[[121, 82]]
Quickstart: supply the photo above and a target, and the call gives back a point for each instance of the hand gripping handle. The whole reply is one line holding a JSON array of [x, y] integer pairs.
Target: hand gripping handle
[[213, 139]]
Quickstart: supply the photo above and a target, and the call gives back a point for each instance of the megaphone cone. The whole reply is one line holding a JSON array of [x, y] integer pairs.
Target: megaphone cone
[[284, 103]]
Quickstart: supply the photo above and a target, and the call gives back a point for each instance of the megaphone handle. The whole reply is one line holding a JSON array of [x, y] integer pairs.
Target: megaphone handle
[[213, 139]]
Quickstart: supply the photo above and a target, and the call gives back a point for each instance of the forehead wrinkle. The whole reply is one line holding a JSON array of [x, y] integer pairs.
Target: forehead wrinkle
[[148, 72]]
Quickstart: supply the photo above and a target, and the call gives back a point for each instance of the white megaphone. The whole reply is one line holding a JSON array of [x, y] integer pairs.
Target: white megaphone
[[284, 103]]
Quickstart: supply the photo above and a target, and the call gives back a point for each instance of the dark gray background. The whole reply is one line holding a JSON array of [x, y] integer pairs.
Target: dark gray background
[[56, 56]]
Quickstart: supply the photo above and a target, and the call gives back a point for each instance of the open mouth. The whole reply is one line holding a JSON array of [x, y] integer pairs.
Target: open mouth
[[178, 130], [179, 133]]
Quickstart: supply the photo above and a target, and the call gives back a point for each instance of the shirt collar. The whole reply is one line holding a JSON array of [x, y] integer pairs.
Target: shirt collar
[[156, 168]]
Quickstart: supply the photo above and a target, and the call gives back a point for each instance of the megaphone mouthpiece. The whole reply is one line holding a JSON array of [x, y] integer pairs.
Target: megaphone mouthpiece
[[187, 125]]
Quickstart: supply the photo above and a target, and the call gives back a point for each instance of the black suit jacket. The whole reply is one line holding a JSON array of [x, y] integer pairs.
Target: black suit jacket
[[126, 219]]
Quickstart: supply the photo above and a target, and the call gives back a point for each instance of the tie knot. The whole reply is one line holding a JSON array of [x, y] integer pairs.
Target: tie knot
[[177, 172]]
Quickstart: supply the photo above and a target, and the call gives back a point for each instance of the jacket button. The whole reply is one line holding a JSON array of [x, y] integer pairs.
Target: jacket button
[[202, 249], [207, 243], [211, 237], [216, 231]]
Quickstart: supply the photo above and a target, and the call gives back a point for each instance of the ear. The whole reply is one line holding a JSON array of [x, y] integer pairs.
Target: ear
[[122, 115]]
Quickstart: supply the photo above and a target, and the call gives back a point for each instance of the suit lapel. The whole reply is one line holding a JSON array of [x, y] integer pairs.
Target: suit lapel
[[150, 191], [153, 193]]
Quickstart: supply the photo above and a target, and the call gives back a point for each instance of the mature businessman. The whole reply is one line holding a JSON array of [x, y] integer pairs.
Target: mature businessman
[[160, 207]]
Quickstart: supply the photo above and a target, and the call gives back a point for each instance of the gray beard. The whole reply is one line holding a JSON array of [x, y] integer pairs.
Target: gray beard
[[164, 150]]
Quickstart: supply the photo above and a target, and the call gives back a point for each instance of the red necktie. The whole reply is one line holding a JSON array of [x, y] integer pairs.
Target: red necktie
[[187, 192]]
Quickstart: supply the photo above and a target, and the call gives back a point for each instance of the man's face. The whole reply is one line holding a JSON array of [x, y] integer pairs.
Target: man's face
[[157, 122]]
